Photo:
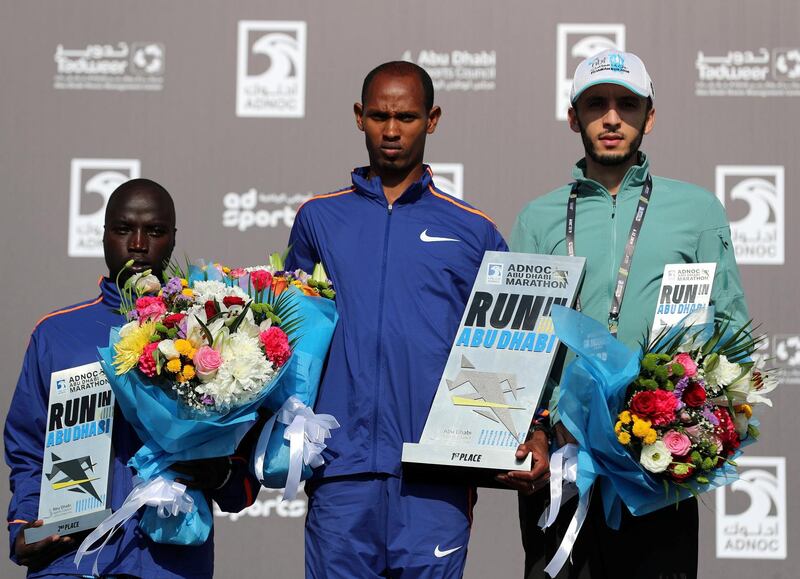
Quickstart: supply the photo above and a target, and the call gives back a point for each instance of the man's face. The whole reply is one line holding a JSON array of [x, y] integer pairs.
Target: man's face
[[395, 122], [141, 228], [612, 121]]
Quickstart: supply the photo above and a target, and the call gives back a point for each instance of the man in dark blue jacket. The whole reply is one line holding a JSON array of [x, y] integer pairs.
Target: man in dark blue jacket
[[139, 226], [402, 256]]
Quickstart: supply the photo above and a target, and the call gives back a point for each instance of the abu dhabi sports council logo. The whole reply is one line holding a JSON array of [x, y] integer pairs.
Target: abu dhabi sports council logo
[[786, 355], [269, 503], [262, 210], [753, 197], [494, 273], [751, 512], [574, 43], [458, 70], [271, 69], [92, 181], [449, 177], [120, 66]]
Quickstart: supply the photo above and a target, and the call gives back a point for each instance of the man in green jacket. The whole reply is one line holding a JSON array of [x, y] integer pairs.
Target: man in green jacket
[[618, 210]]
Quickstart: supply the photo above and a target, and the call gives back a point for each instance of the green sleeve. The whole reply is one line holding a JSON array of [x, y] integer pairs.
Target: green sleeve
[[714, 245]]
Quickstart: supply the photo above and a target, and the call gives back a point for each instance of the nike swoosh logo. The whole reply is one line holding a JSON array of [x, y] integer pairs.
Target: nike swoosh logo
[[439, 554], [429, 238]]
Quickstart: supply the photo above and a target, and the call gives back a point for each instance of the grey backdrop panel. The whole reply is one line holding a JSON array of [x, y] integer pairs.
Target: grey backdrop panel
[[499, 124]]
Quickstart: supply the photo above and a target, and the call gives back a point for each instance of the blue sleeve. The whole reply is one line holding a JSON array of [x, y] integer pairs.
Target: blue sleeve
[[24, 440], [302, 251]]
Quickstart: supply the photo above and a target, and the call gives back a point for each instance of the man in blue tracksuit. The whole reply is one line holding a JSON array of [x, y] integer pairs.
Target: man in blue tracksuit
[[402, 256], [139, 226]]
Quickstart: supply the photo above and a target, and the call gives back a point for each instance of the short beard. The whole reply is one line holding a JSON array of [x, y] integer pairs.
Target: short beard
[[612, 160]]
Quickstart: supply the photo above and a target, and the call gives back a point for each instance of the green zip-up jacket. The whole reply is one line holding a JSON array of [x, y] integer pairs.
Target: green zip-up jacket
[[684, 224]]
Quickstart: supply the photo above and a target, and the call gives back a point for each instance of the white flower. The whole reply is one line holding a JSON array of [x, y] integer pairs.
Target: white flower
[[194, 331], [167, 348], [740, 422], [215, 290], [128, 328], [243, 372], [723, 374], [147, 284], [655, 457]]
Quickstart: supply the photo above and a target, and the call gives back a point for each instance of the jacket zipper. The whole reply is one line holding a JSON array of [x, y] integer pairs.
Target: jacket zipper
[[613, 278], [379, 353]]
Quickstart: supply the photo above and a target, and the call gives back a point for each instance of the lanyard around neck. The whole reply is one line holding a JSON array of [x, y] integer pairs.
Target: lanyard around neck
[[630, 247]]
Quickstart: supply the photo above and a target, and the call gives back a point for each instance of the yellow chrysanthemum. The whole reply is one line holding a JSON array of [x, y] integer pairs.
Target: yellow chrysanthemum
[[297, 283], [641, 428], [745, 409], [179, 377], [226, 270], [625, 417], [174, 365], [128, 350], [187, 292], [191, 353], [183, 347], [650, 437], [188, 372], [624, 438], [184, 282], [618, 427]]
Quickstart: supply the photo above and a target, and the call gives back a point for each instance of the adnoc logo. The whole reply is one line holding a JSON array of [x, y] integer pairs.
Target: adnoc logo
[[751, 512], [449, 177], [753, 197], [271, 69], [92, 181], [574, 43]]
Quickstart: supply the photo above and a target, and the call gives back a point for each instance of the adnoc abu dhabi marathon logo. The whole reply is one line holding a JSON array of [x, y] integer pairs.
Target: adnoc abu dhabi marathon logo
[[751, 512], [574, 43], [756, 73], [252, 208], [121, 66], [271, 69], [92, 181], [449, 177], [268, 504], [457, 70], [786, 355], [753, 197]]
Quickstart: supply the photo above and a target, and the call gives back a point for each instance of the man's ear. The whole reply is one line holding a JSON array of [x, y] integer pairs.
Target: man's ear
[[650, 121], [572, 118], [358, 110], [433, 119]]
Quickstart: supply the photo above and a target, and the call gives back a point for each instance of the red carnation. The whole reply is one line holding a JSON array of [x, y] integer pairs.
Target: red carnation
[[694, 395], [276, 345], [147, 364], [261, 279], [211, 309], [726, 431], [232, 301], [681, 469], [173, 320]]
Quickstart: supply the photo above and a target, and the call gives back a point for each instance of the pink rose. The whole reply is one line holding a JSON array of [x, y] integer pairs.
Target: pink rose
[[150, 308], [677, 443], [206, 363], [689, 365]]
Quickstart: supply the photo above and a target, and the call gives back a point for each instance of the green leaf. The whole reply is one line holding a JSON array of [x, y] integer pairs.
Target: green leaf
[[240, 318], [206, 332]]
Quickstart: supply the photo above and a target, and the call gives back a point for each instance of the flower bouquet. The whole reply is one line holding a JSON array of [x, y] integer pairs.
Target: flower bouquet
[[659, 425], [191, 368]]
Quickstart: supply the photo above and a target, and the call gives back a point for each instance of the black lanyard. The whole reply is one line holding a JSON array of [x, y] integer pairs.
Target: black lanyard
[[633, 237]]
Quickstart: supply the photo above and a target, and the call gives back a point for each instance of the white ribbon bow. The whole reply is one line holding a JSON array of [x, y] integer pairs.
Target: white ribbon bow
[[306, 433], [563, 476], [169, 497]]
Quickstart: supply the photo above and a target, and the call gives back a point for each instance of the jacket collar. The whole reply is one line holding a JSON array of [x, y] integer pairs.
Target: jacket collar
[[631, 184], [373, 188], [109, 292]]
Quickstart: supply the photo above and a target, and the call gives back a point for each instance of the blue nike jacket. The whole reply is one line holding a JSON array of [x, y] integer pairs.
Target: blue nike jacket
[[65, 339], [402, 274]]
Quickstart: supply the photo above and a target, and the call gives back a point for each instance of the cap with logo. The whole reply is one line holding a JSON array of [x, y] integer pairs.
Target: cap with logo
[[612, 67]]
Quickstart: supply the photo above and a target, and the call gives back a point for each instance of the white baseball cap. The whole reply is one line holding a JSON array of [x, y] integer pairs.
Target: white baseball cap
[[612, 67]]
